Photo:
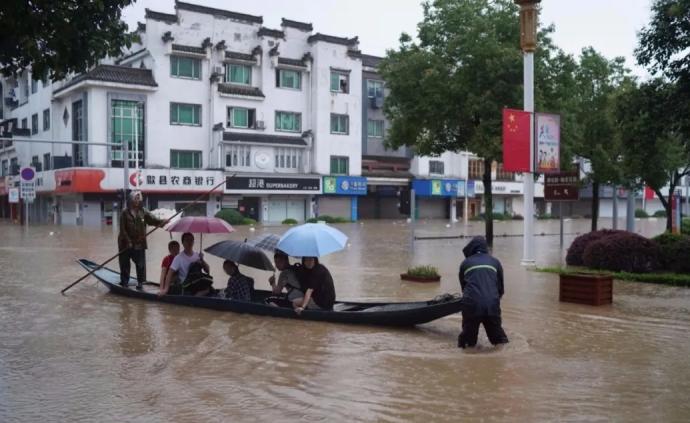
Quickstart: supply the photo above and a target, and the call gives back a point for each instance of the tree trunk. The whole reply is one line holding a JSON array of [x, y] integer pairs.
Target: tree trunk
[[489, 203], [595, 205], [668, 205]]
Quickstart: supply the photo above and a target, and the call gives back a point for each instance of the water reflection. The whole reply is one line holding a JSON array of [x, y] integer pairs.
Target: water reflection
[[92, 356]]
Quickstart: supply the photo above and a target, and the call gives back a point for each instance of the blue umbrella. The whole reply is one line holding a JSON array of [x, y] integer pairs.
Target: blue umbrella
[[312, 240]]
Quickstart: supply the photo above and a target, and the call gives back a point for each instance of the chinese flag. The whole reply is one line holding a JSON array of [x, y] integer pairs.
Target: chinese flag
[[648, 193], [516, 127]]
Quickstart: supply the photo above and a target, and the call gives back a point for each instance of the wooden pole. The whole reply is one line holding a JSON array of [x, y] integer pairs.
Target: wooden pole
[[100, 266]]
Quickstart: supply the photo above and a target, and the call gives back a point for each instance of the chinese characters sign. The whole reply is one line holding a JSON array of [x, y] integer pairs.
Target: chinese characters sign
[[563, 186], [259, 183], [345, 185]]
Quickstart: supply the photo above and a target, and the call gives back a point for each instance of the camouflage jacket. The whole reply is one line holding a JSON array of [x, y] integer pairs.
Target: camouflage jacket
[[133, 228]]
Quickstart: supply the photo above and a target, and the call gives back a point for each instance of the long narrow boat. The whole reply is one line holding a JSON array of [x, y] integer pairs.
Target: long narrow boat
[[387, 314]]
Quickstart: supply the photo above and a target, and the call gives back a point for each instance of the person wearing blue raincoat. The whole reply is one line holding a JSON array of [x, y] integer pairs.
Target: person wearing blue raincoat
[[481, 280]]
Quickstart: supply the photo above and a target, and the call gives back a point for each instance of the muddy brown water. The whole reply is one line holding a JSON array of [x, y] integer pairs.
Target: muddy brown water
[[92, 356]]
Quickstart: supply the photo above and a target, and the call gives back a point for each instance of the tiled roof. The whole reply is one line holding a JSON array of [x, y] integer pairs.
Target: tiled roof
[[291, 62], [122, 59], [158, 16], [240, 56], [299, 25], [240, 90], [263, 138], [332, 39], [271, 32], [219, 12], [189, 49], [371, 61], [113, 73]]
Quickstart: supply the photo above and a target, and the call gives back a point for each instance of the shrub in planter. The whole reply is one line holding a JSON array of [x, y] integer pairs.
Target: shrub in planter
[[659, 213], [674, 252], [421, 274], [289, 221], [622, 252], [641, 213], [231, 216], [577, 248]]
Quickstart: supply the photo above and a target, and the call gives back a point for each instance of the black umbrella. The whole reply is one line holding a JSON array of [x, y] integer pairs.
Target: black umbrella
[[241, 253]]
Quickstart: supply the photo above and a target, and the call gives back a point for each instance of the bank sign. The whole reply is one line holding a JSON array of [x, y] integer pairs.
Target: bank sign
[[436, 187], [345, 185]]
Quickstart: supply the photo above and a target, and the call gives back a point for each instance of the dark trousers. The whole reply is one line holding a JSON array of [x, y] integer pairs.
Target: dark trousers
[[139, 258], [470, 330]]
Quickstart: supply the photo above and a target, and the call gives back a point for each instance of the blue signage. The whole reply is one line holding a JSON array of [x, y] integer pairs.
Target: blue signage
[[436, 187], [470, 189], [345, 185]]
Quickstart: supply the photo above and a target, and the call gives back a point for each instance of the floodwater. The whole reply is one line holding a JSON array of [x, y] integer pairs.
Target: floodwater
[[92, 356]]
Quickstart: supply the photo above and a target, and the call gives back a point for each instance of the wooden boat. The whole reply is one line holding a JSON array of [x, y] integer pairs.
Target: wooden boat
[[387, 314]]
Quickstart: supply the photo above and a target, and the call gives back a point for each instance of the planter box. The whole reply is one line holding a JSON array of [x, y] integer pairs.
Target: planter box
[[586, 288], [406, 277]]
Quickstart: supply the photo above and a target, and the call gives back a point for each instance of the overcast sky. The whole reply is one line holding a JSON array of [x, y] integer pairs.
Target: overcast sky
[[610, 26]]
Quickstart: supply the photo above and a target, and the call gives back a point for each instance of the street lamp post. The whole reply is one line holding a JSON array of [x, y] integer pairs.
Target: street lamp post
[[529, 13]]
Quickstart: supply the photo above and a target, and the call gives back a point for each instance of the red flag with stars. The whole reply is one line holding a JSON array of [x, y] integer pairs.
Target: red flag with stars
[[516, 127]]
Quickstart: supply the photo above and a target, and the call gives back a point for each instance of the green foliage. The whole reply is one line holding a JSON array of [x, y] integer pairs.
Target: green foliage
[[685, 226], [62, 36], [622, 252], [328, 219], [546, 216], [234, 217], [423, 272], [289, 221], [641, 213], [659, 213], [674, 252]]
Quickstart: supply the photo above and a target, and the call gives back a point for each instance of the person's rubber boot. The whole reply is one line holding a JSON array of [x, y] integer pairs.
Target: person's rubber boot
[[123, 284], [140, 286]]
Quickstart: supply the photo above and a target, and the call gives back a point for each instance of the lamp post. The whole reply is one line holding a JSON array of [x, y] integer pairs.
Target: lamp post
[[529, 13]]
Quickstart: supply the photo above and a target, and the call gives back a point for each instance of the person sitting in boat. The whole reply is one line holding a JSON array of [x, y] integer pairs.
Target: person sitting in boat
[[240, 287], [319, 291], [182, 277], [174, 250], [287, 279], [481, 280]]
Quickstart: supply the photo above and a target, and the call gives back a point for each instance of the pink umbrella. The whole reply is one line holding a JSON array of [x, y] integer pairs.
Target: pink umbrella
[[201, 225]]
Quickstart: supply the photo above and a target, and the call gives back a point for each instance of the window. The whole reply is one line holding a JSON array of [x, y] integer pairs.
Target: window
[[14, 166], [34, 162], [5, 168], [78, 151], [476, 169], [238, 156], [34, 124], [238, 74], [182, 159], [340, 124], [288, 121], [502, 174], [340, 82], [185, 114], [374, 88], [375, 128], [286, 78], [185, 67], [340, 165], [240, 117], [436, 166], [25, 123], [34, 86], [46, 161], [288, 158], [46, 119], [127, 123]]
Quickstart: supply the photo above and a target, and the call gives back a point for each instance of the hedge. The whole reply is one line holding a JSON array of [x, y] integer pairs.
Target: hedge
[[328, 219], [622, 252], [641, 213], [674, 252], [289, 221], [574, 257], [234, 217]]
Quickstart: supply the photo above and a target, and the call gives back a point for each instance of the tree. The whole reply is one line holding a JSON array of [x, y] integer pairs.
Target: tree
[[448, 89], [595, 140], [60, 36], [652, 122]]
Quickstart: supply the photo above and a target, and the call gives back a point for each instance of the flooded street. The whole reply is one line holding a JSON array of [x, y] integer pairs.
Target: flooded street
[[93, 356]]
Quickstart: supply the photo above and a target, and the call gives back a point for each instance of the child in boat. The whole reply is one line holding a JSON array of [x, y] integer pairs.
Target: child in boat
[[240, 287], [173, 249]]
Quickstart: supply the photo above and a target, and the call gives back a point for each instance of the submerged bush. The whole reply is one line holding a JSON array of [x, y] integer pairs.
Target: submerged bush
[[641, 213], [328, 219], [234, 217], [289, 221], [674, 252], [659, 213], [622, 252], [423, 272], [577, 248]]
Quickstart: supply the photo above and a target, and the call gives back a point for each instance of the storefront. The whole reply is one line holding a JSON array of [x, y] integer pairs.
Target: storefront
[[435, 198], [272, 199], [341, 196]]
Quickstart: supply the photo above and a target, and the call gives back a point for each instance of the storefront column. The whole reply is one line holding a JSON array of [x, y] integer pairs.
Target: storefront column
[[354, 201], [453, 209]]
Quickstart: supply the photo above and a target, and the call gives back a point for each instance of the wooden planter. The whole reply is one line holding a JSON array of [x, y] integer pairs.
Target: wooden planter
[[586, 288], [406, 277]]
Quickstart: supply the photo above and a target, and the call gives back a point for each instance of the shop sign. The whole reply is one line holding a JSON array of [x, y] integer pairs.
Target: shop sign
[[345, 185], [436, 187], [258, 183], [168, 179], [562, 186], [13, 195]]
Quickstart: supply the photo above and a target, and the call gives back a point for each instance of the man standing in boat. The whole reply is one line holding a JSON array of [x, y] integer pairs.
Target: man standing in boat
[[481, 280], [131, 241]]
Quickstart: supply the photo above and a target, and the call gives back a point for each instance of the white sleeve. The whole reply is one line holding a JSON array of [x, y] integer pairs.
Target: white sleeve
[[176, 263]]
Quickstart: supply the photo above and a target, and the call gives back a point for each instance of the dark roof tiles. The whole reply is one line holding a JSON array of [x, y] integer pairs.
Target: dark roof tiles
[[298, 25], [240, 56], [113, 73], [189, 49], [263, 138], [333, 39], [268, 32], [240, 90], [218, 12], [291, 62], [158, 16]]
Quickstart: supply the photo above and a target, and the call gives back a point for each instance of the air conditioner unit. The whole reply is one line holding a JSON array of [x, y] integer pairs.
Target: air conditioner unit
[[260, 124]]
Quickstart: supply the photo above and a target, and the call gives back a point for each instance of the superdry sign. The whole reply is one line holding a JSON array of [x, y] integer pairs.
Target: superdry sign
[[259, 183]]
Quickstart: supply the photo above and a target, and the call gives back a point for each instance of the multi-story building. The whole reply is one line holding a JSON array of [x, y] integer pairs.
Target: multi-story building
[[206, 94]]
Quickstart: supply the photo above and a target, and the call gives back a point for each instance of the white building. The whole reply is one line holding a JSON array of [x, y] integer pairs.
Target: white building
[[206, 94]]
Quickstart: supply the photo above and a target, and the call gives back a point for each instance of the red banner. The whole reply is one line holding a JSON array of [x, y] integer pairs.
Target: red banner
[[516, 131], [648, 193]]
